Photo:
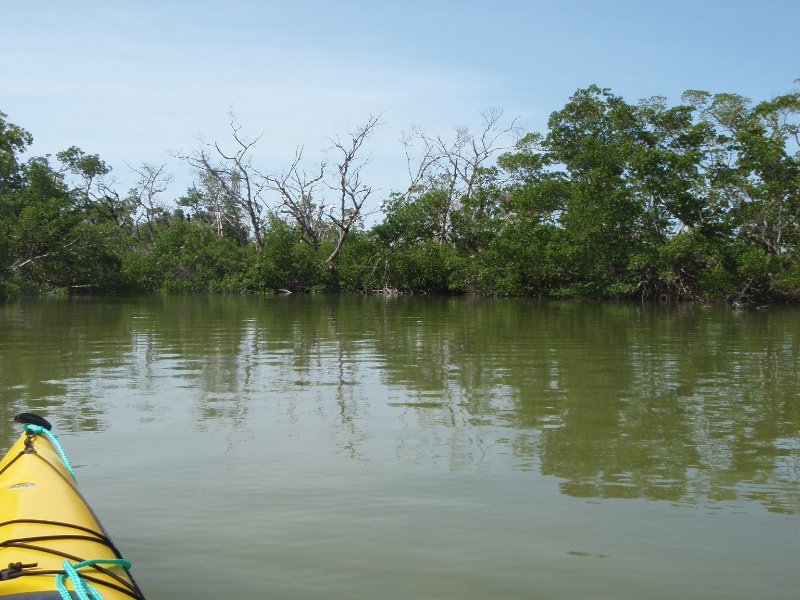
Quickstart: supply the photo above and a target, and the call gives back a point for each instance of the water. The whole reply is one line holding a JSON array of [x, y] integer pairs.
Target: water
[[361, 447]]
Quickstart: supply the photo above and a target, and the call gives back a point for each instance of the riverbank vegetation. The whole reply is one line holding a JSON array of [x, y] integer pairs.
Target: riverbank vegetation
[[696, 201]]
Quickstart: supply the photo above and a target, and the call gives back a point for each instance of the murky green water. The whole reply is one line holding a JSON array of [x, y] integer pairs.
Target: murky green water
[[313, 447]]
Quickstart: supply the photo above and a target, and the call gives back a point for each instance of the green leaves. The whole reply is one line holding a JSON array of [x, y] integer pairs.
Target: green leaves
[[700, 200], [13, 142]]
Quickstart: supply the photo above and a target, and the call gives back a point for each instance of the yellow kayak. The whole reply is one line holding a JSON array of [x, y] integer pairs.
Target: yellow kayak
[[52, 545]]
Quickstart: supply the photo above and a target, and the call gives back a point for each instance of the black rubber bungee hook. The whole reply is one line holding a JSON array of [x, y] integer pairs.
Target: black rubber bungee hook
[[32, 419]]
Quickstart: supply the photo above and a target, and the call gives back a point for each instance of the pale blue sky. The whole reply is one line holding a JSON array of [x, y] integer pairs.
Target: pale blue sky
[[135, 81]]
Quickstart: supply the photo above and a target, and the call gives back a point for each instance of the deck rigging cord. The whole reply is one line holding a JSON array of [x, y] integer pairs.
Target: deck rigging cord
[[81, 588]]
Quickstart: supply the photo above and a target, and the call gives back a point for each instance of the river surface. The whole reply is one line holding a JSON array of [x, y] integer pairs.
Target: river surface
[[437, 448]]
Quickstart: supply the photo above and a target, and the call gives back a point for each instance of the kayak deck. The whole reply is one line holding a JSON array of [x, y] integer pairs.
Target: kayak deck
[[49, 536]]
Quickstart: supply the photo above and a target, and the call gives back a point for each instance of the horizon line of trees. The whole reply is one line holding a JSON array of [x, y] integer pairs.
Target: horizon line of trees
[[697, 201]]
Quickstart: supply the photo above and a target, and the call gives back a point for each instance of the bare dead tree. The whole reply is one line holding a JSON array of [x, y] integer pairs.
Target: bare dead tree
[[351, 192], [151, 183], [455, 165], [418, 167], [234, 172], [297, 191], [216, 198], [211, 204]]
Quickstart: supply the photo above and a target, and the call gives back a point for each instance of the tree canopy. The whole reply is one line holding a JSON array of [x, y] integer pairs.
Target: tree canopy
[[694, 201]]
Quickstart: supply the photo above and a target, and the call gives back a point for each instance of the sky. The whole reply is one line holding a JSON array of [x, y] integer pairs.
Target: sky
[[146, 81]]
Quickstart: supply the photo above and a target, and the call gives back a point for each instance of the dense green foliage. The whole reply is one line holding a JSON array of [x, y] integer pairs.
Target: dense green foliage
[[697, 201]]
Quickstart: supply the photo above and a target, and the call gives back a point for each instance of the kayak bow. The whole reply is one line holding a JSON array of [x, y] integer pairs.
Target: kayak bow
[[52, 542]]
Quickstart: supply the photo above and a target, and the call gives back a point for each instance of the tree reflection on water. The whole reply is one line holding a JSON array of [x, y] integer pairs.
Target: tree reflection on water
[[679, 403]]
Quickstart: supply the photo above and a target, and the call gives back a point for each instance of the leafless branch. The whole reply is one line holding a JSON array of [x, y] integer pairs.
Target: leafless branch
[[151, 183], [233, 171], [297, 190], [352, 193], [455, 165]]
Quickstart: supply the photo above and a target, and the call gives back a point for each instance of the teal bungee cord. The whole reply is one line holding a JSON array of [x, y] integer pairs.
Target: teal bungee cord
[[38, 430], [82, 589]]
